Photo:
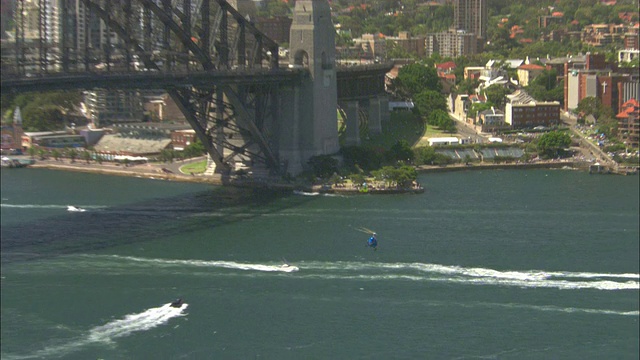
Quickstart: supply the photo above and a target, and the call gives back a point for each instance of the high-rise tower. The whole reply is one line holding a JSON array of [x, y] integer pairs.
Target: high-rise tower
[[471, 16]]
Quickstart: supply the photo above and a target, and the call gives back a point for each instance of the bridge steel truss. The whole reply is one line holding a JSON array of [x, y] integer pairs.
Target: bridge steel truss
[[233, 120]]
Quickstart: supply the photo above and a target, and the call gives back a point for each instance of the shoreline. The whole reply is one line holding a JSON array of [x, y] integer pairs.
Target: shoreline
[[155, 172]]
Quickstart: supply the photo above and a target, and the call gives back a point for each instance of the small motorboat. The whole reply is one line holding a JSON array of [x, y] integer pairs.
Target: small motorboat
[[288, 268], [178, 303], [75, 209]]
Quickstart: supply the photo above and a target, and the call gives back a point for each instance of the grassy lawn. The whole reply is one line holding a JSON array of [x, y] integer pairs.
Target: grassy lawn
[[403, 125], [196, 167]]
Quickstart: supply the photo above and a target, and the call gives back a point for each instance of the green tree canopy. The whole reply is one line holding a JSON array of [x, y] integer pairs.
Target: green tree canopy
[[37, 117], [552, 143], [194, 149], [400, 151], [496, 95], [323, 166], [593, 106], [428, 101], [439, 118], [416, 78]]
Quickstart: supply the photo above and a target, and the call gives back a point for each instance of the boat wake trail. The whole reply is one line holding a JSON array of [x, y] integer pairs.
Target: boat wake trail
[[202, 263], [135, 322], [471, 275], [105, 334], [306, 193], [52, 206]]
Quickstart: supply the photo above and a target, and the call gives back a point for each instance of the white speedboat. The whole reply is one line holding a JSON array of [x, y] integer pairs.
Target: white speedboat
[[75, 209], [289, 268]]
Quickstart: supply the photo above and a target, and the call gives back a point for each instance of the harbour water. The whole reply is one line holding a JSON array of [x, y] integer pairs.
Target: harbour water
[[508, 264]]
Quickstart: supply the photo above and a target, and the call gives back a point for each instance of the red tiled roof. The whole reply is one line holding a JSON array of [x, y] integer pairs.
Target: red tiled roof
[[558, 14], [531, 67], [628, 108], [480, 98], [446, 65]]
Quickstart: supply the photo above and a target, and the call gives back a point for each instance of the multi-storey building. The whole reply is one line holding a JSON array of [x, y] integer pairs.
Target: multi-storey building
[[451, 43], [594, 78], [471, 16], [107, 107], [413, 45], [523, 111], [528, 72], [492, 120], [629, 123]]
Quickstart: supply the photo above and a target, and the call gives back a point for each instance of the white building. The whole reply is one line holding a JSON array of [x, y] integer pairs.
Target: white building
[[444, 141]]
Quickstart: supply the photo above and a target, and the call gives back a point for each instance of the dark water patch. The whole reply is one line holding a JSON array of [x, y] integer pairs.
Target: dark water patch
[[140, 222]]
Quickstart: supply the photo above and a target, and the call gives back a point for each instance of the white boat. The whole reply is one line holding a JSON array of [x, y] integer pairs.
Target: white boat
[[75, 209], [289, 268]]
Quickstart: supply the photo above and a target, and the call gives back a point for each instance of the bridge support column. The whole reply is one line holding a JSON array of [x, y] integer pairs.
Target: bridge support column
[[353, 124], [313, 47], [289, 139], [385, 116], [375, 121]]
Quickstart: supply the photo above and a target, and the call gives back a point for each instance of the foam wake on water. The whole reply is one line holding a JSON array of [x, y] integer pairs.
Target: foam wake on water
[[51, 206], [106, 334], [306, 193], [205, 263], [135, 322], [552, 308], [377, 271], [475, 275]]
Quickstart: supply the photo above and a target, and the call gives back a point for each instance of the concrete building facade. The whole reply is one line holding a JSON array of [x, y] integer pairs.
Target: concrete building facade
[[523, 111], [451, 43]]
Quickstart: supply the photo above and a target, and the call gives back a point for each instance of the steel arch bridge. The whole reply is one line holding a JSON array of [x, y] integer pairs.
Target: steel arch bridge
[[222, 72]]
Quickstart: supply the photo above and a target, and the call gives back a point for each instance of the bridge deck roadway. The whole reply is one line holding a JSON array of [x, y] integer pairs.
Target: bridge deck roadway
[[161, 80], [150, 80]]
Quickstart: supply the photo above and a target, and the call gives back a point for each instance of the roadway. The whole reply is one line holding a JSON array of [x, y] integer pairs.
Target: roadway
[[465, 130], [593, 149]]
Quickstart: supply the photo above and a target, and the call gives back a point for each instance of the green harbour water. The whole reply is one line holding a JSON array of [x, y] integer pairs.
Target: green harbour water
[[492, 264]]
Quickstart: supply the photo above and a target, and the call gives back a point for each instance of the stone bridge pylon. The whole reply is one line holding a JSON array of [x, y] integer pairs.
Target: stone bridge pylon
[[309, 122]]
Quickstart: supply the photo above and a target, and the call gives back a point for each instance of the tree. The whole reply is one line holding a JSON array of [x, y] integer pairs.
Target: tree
[[439, 118], [400, 151], [194, 149], [402, 176], [56, 154], [593, 106], [32, 152], [449, 126], [72, 154], [478, 107], [415, 78], [468, 86], [38, 117], [86, 156], [552, 143], [428, 101], [357, 179], [368, 158], [424, 155], [496, 94], [323, 166]]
